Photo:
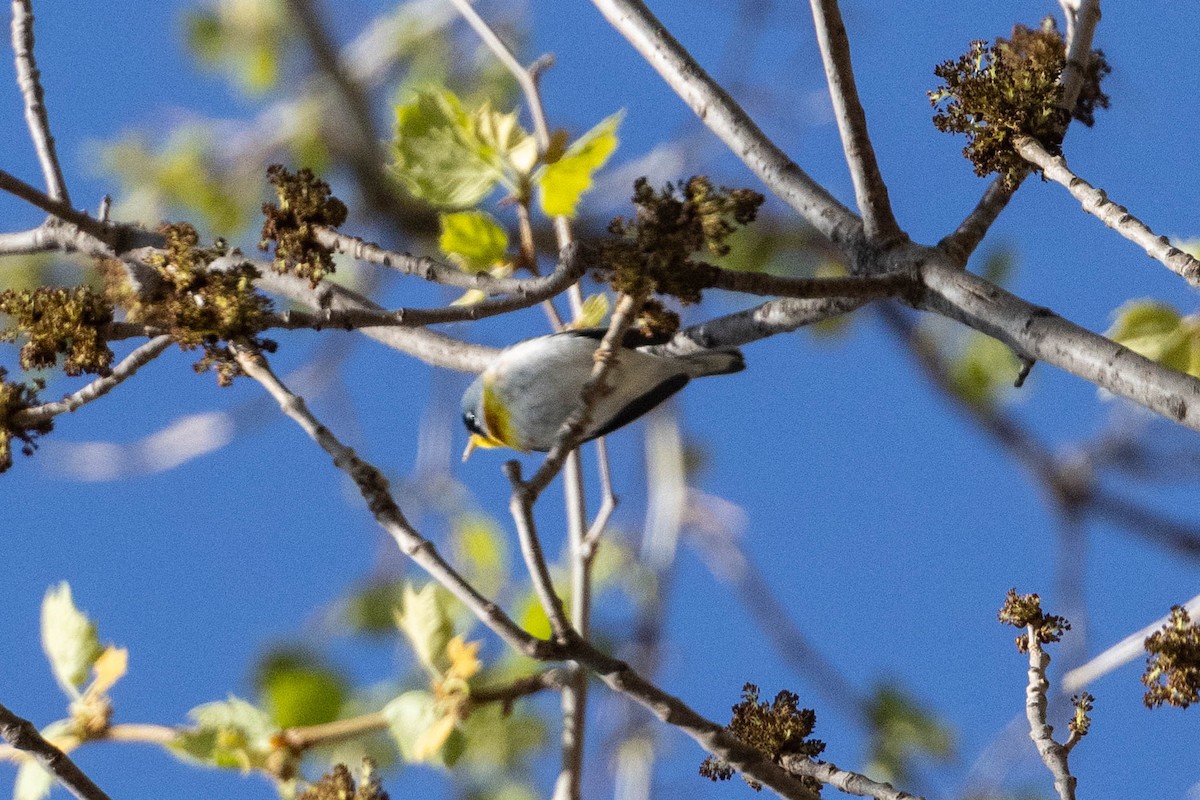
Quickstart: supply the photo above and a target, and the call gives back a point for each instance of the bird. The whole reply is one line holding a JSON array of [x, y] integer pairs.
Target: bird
[[526, 393]]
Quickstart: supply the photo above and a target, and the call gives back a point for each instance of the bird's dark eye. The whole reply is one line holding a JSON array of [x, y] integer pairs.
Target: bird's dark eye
[[472, 423]]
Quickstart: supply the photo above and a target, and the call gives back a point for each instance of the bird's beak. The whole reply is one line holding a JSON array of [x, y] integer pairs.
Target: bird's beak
[[477, 441]]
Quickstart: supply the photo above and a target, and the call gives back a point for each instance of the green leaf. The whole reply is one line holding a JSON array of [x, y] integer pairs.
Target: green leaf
[[69, 639], [297, 689], [999, 265], [595, 310], [1156, 331], [533, 618], [901, 732], [563, 182], [500, 742], [230, 734], [424, 619], [371, 609], [33, 781], [411, 718], [480, 547], [985, 368], [439, 157], [514, 146], [473, 240]]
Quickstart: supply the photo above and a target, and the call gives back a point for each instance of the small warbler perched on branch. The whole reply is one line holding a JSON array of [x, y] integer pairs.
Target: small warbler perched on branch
[[526, 394]]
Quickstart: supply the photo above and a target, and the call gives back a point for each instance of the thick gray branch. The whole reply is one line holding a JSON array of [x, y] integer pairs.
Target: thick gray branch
[[1040, 334]]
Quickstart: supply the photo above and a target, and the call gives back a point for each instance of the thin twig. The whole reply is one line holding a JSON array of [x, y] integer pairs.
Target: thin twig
[[608, 501], [1081, 29], [1096, 202], [524, 77], [97, 388], [574, 695], [429, 346], [29, 79], [1118, 655], [524, 293], [1053, 754], [869, 188], [23, 735], [575, 428], [375, 491], [521, 506], [51, 205], [309, 736], [435, 271], [844, 781], [960, 244], [527, 79]]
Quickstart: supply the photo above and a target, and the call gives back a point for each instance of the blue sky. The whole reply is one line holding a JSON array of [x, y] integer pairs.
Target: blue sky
[[889, 525]]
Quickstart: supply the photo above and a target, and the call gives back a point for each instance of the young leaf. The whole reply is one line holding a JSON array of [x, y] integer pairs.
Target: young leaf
[[439, 156], [564, 181], [473, 240], [298, 689], [595, 309], [463, 657], [33, 781], [424, 620], [422, 731], [985, 368], [515, 147], [1156, 331], [69, 639], [230, 734], [109, 668], [480, 547]]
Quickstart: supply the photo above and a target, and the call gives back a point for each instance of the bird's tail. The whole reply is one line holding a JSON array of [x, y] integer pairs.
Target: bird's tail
[[714, 362]]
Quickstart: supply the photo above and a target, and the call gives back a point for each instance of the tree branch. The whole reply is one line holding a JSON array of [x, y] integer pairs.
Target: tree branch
[[436, 272], [1053, 754], [98, 388], [615, 673], [24, 736], [843, 781], [524, 293], [869, 189], [724, 117], [375, 491], [760, 322], [1038, 333], [431, 347], [1131, 647], [959, 245], [1096, 202], [573, 430], [29, 80]]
